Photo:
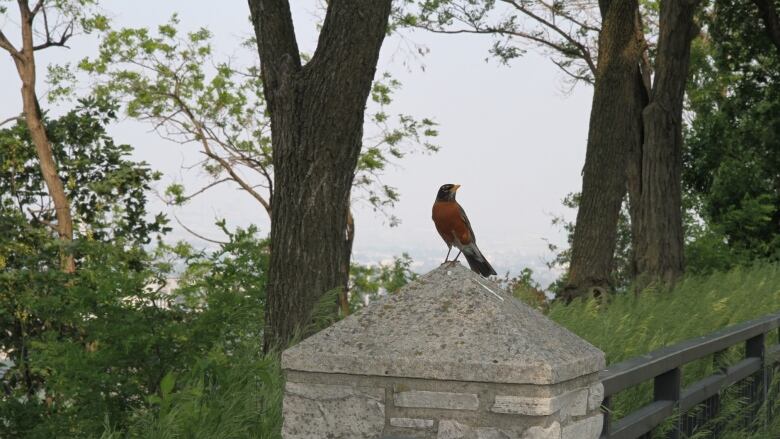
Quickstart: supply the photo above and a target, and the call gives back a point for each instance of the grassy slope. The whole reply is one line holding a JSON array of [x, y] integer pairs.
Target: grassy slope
[[633, 325]]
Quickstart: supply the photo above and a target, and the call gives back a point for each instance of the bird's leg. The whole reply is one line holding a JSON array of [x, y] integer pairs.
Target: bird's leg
[[456, 256], [449, 249]]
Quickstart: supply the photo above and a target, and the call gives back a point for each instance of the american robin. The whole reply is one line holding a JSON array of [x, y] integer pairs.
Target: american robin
[[455, 229]]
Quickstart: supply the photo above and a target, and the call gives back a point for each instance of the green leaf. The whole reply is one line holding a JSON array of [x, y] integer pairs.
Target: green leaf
[[166, 385]]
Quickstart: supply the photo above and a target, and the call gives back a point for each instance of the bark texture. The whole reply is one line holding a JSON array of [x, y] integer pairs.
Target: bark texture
[[343, 300], [634, 171], [317, 128], [24, 59], [613, 134], [771, 18], [660, 244]]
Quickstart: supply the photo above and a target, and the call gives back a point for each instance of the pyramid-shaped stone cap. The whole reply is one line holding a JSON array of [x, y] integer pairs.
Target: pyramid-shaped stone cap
[[451, 324]]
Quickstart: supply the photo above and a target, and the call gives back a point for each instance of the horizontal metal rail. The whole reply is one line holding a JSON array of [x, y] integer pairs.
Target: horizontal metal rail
[[664, 367], [644, 367]]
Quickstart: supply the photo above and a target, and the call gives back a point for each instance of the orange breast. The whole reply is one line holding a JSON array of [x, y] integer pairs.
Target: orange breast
[[449, 223]]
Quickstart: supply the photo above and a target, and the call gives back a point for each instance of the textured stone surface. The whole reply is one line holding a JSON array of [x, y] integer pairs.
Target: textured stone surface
[[575, 404], [449, 429], [436, 400], [411, 422], [526, 405], [553, 431], [313, 411], [588, 428], [453, 430], [451, 324], [595, 396]]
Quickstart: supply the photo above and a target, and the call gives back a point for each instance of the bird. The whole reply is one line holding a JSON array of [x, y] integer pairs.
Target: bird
[[455, 229]]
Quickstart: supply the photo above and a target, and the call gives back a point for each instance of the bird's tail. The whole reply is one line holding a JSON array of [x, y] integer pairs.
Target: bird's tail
[[476, 261]]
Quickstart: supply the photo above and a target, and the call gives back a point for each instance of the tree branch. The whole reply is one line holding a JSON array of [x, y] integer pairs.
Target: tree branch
[[196, 193], [568, 46], [46, 223], [771, 20], [497, 31], [573, 75], [585, 53], [555, 11], [519, 34], [6, 44], [37, 8], [66, 34], [201, 135], [276, 43], [12, 119], [197, 234]]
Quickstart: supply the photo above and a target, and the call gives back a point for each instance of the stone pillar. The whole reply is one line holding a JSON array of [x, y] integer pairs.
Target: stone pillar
[[450, 356]]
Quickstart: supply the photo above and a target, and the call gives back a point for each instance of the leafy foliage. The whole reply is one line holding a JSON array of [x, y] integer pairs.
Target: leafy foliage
[[732, 164], [86, 349], [165, 78], [367, 282], [525, 288], [90, 348], [226, 287], [106, 189]]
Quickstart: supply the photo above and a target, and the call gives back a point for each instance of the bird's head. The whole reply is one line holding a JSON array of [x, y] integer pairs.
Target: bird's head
[[447, 192]]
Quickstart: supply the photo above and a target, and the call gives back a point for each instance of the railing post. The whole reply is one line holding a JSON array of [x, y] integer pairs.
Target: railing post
[[756, 348], [772, 368], [721, 365], [606, 407], [666, 387]]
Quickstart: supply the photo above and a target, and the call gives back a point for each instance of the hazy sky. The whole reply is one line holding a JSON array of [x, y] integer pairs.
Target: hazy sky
[[513, 136]]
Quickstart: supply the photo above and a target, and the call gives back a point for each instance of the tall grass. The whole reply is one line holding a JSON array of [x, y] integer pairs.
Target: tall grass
[[629, 325], [233, 396], [234, 393]]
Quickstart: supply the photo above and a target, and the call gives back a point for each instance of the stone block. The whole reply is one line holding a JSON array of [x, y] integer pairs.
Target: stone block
[[449, 429], [411, 423], [575, 404], [526, 405], [341, 412], [595, 396], [553, 431], [572, 403], [588, 428], [436, 400]]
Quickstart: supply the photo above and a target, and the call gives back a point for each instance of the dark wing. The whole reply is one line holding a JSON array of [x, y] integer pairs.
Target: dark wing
[[468, 224]]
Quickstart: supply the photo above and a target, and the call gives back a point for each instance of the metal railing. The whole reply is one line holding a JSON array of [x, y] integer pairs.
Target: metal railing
[[664, 367]]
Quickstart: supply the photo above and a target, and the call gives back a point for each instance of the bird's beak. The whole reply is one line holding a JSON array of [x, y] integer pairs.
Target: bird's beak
[[455, 188]]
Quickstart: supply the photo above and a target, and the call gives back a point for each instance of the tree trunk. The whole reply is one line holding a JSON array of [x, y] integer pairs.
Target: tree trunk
[[25, 66], [771, 20], [613, 132], [634, 171], [660, 244], [317, 115], [642, 89]]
